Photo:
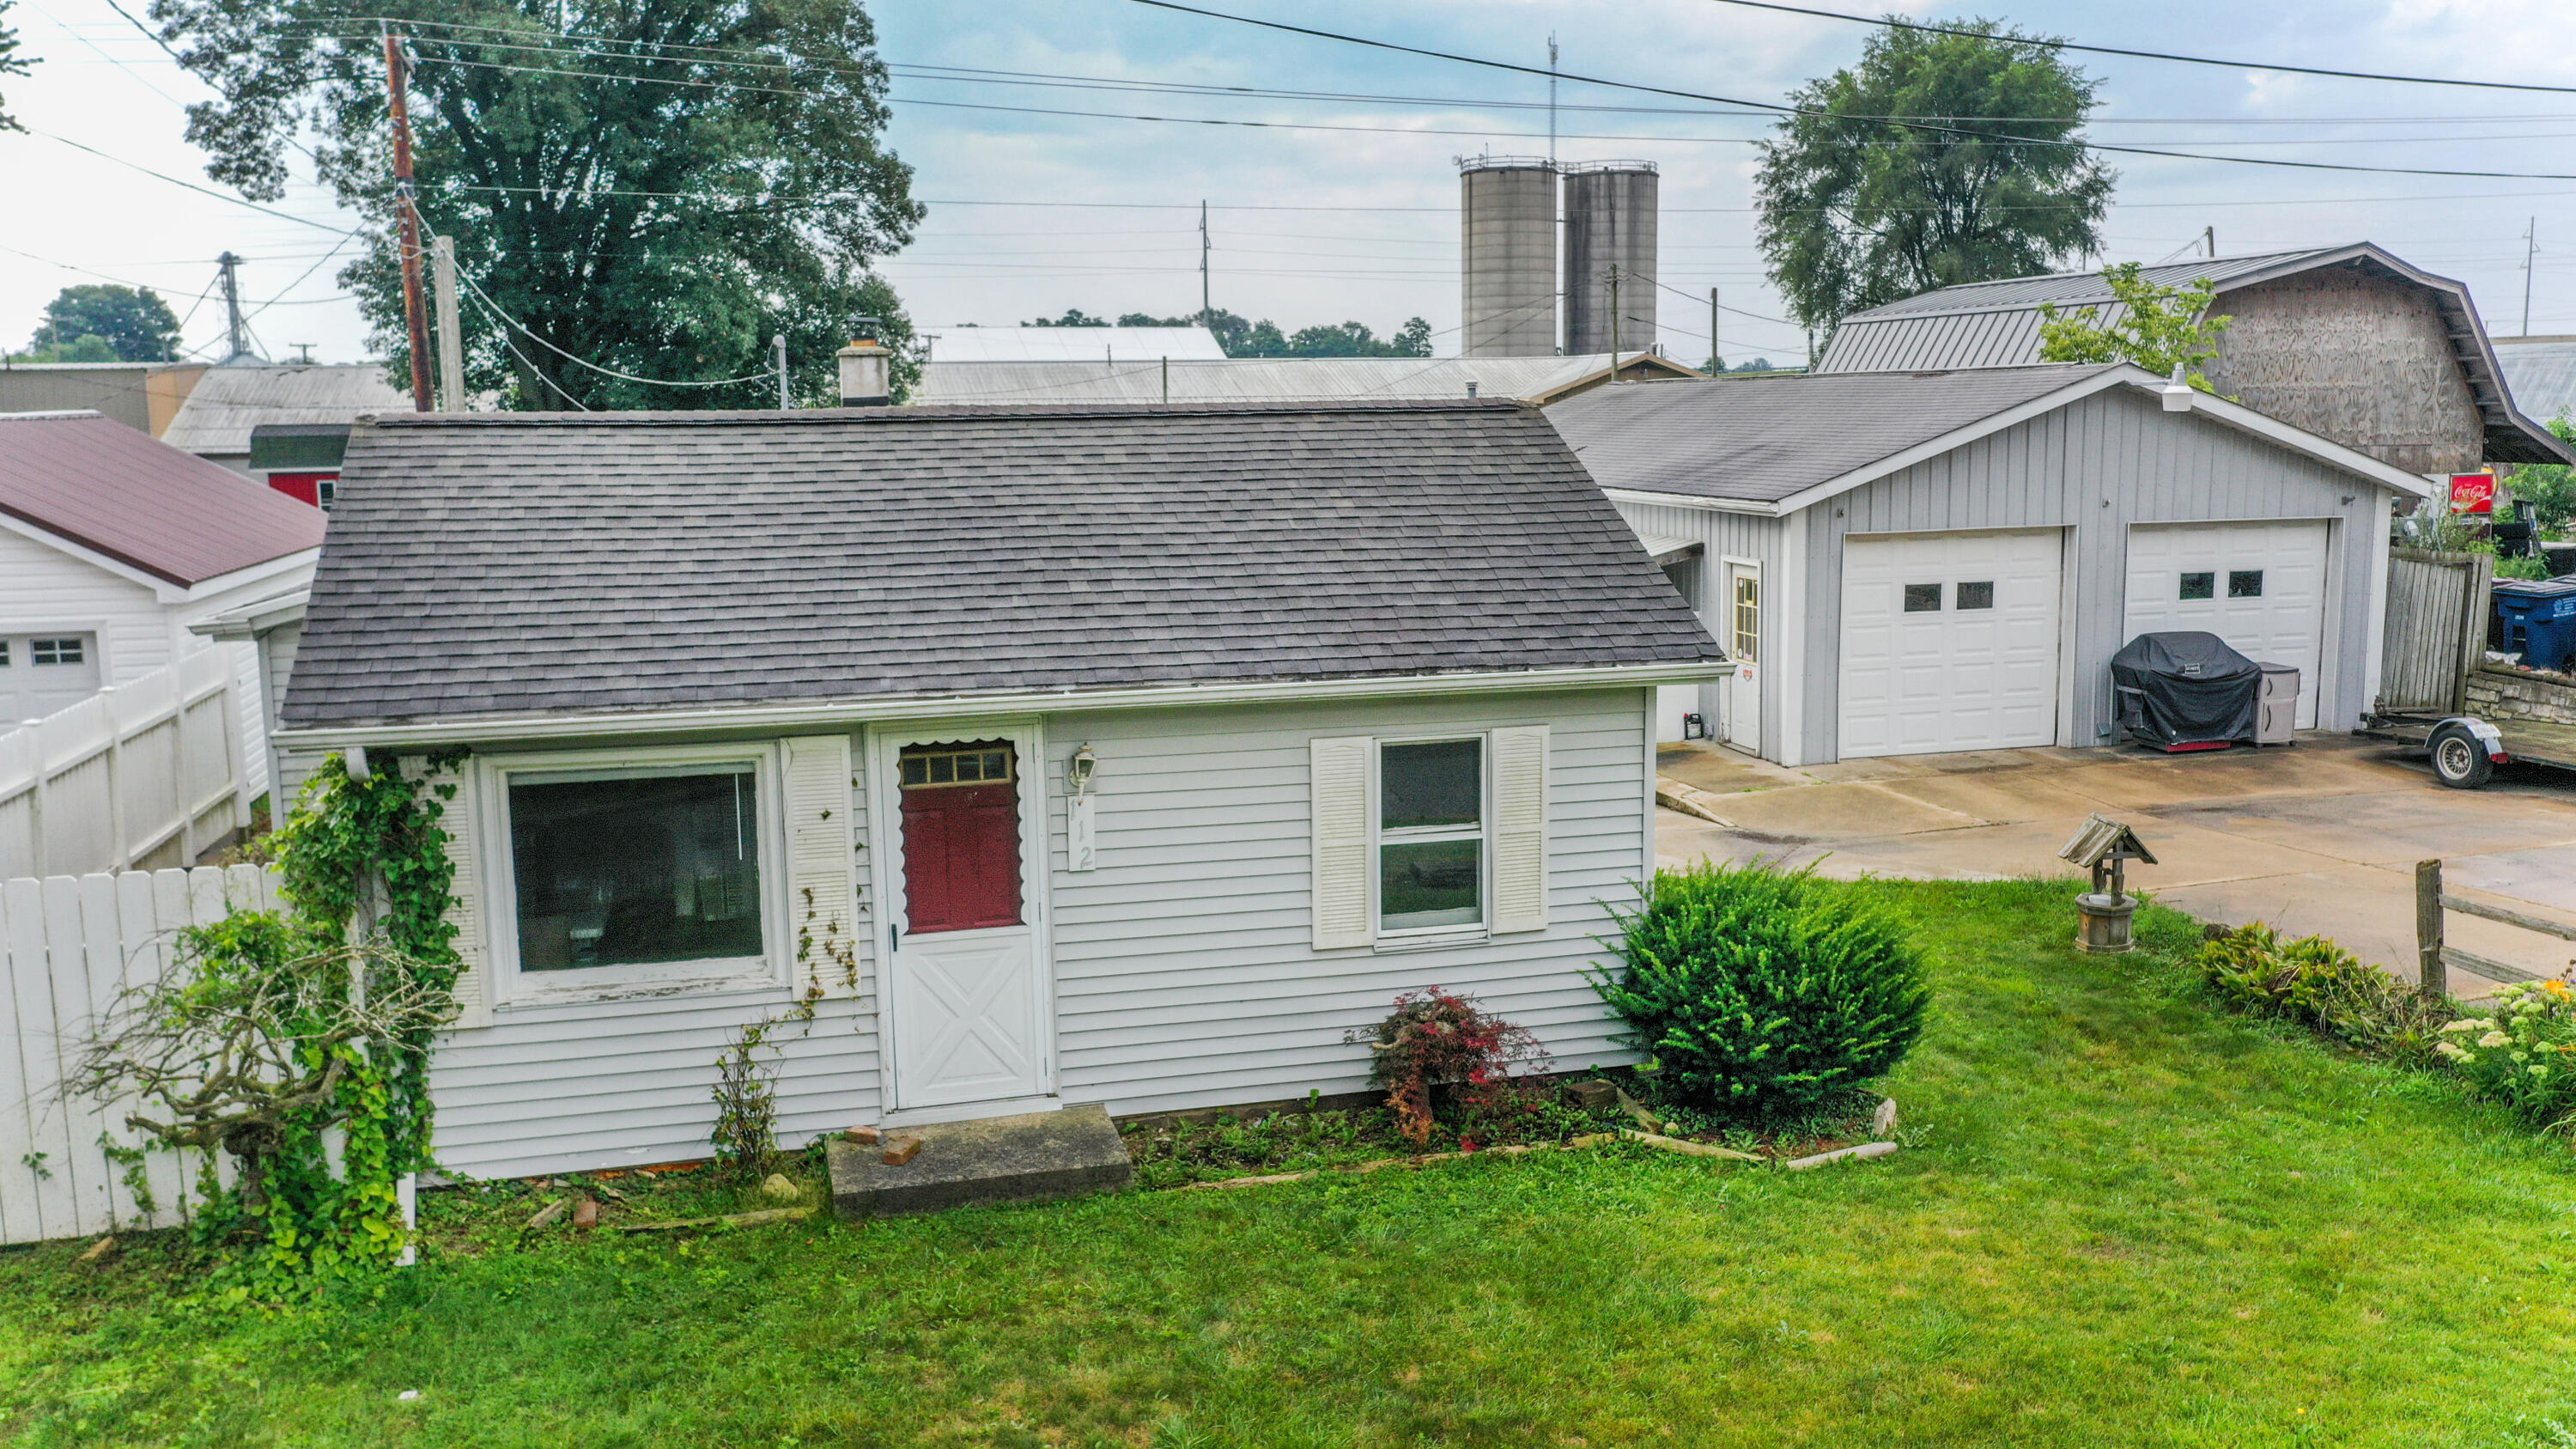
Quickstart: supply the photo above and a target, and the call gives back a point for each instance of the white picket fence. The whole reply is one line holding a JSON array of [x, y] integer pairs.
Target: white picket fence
[[68, 945], [149, 772]]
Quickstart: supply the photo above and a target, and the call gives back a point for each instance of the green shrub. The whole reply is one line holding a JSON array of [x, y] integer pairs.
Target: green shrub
[[2522, 1053], [2319, 985], [1764, 993]]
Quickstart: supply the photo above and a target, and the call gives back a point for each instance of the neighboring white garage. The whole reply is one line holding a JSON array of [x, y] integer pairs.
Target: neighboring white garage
[[2261, 586], [1949, 642]]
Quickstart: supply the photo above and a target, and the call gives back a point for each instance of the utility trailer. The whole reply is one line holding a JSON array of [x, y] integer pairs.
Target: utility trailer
[[2465, 749]]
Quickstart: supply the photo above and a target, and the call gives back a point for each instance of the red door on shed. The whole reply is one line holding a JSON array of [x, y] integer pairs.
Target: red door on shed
[[961, 837]]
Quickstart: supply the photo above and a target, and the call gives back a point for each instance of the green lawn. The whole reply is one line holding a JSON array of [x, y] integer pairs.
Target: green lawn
[[2127, 1220]]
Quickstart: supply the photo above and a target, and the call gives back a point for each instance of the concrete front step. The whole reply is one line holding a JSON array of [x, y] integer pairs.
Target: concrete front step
[[1022, 1158]]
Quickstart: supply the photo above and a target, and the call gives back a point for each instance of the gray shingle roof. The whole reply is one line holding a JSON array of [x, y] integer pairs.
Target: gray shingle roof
[[503, 565], [1762, 439]]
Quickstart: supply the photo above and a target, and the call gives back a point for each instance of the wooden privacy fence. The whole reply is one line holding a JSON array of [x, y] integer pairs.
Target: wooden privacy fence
[[2434, 958], [68, 945], [2436, 629], [144, 773]]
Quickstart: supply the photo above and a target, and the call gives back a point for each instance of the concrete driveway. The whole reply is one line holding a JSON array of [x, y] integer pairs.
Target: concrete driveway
[[2316, 838]]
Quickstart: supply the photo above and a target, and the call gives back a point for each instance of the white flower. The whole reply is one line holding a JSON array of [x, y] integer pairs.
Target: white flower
[[2495, 1039], [2472, 1023], [2451, 1050]]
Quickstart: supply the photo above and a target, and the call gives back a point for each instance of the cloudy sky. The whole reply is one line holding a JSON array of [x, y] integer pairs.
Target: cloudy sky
[[1046, 192]]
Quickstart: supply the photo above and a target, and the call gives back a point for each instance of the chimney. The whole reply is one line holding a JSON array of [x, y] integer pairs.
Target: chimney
[[863, 369]]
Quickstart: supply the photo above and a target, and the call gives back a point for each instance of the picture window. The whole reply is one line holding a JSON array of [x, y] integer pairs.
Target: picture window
[[2198, 586], [1431, 835], [637, 869], [1922, 598], [1979, 594], [2245, 584]]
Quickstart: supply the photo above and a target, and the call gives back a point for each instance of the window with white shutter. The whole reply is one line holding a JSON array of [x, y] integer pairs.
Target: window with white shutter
[[1339, 801], [465, 903], [1519, 815]]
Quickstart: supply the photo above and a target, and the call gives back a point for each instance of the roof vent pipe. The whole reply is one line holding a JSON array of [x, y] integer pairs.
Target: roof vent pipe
[[864, 382], [2176, 393], [1471, 387]]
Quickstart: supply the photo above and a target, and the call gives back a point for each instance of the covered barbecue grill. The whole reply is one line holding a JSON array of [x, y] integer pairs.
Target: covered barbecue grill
[[2186, 691]]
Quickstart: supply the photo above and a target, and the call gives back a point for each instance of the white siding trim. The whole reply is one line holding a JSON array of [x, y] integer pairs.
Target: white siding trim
[[1790, 677], [1520, 828], [1338, 796]]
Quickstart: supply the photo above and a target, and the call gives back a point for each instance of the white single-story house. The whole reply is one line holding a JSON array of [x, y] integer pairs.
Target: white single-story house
[[111, 545], [1115, 755], [1905, 563]]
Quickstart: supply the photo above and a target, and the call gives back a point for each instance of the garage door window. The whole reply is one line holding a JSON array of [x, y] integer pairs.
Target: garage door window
[[1922, 598], [2198, 586], [2245, 584], [1977, 594]]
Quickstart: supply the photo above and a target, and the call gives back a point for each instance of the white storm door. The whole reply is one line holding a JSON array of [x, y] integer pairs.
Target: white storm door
[[968, 995], [1740, 630], [2259, 586], [1949, 642]]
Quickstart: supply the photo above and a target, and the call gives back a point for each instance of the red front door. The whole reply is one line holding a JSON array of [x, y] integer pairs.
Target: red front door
[[961, 836]]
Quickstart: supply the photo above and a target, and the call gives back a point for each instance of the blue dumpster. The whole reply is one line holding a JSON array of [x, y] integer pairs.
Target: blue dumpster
[[2536, 618]]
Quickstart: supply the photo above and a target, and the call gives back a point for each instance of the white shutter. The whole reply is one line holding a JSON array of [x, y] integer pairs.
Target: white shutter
[[822, 890], [1339, 796], [1520, 828], [465, 896]]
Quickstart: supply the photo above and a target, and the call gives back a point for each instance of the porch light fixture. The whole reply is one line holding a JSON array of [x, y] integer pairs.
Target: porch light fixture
[[1077, 774], [1081, 847], [2176, 393]]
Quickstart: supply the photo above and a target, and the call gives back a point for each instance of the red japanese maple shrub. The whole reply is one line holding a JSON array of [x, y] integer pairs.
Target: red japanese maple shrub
[[1436, 1037]]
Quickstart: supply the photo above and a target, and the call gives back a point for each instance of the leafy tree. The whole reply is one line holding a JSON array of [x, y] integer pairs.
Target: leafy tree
[[1147, 319], [2159, 327], [136, 326], [89, 348], [1859, 209], [11, 63], [1750, 364], [1073, 317], [2548, 489], [1241, 338], [652, 186]]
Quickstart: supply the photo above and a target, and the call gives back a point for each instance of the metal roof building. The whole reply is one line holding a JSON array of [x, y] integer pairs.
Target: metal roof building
[[2350, 342], [216, 420], [1282, 379], [1072, 344], [2541, 372]]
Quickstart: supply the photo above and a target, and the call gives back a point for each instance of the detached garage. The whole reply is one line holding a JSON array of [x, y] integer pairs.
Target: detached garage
[[1951, 558]]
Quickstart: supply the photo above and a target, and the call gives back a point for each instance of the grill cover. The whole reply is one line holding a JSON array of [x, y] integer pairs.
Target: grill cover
[[2185, 689]]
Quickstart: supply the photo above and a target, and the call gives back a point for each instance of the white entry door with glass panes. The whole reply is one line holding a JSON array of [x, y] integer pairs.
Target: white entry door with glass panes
[[1740, 694], [968, 1004]]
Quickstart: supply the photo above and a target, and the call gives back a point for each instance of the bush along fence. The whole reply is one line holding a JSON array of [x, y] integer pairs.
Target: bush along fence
[[70, 947], [281, 1031]]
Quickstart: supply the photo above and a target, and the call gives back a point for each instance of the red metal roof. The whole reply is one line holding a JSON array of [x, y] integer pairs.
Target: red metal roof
[[95, 482]]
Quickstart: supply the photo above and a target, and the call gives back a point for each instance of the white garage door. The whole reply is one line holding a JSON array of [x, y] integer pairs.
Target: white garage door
[[1949, 642], [2259, 586]]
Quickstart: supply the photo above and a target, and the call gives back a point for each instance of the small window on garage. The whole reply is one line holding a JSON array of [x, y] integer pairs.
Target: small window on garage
[[56, 651], [2245, 583], [1977, 594], [2198, 586], [1922, 598]]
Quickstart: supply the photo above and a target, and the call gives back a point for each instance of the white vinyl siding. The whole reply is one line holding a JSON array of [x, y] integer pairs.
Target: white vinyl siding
[[1185, 962], [44, 590]]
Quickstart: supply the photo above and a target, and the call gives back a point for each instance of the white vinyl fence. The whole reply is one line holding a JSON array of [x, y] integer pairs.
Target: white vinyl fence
[[68, 945], [145, 773]]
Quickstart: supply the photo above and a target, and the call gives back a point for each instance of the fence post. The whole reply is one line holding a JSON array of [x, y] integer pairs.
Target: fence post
[[36, 768], [2431, 976]]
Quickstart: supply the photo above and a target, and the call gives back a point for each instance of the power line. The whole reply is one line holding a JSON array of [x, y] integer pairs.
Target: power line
[[1933, 127], [2412, 80], [200, 190]]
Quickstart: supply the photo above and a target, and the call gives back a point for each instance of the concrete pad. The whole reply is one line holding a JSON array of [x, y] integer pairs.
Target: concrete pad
[[1838, 812], [2545, 876], [2385, 828], [988, 1160], [1721, 771], [1999, 796]]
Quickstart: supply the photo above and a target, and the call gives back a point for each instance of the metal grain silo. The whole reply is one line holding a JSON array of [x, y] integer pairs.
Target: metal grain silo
[[1507, 208], [1609, 221]]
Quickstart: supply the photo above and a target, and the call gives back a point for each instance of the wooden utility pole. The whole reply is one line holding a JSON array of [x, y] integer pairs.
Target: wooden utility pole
[[1614, 321], [1207, 313], [1716, 354], [407, 211], [451, 326]]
